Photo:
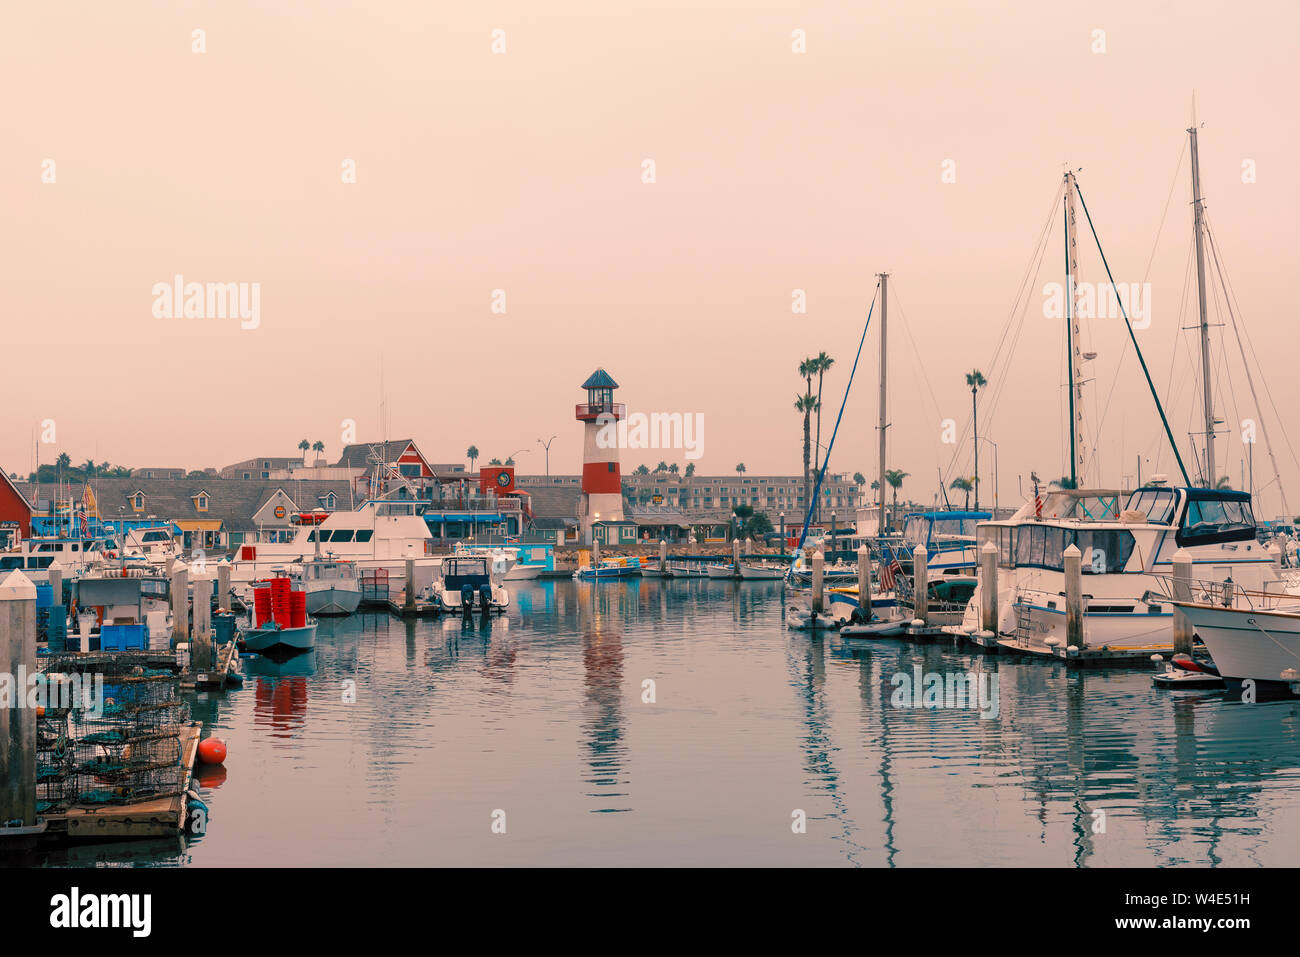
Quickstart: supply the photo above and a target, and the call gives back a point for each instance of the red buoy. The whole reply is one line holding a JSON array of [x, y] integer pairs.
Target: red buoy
[[212, 751]]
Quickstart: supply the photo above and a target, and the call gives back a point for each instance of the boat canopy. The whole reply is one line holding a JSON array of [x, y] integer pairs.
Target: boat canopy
[[1216, 515]]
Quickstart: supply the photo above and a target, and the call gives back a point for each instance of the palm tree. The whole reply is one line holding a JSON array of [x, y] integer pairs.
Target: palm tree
[[494, 461], [963, 485], [89, 468], [64, 461], [305, 446], [673, 468], [471, 453], [661, 467], [740, 468], [690, 469], [1224, 483], [823, 363], [975, 379], [806, 404], [318, 447], [641, 469], [510, 460], [895, 479]]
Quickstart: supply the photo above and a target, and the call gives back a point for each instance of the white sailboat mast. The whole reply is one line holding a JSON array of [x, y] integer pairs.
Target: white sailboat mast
[[1078, 448], [1211, 474]]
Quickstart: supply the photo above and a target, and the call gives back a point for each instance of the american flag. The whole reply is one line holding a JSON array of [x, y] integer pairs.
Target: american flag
[[1038, 500], [889, 575]]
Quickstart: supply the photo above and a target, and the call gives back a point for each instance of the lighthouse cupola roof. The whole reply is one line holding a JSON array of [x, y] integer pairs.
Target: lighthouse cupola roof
[[600, 379]]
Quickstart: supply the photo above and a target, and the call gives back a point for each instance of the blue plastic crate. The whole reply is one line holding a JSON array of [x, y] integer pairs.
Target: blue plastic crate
[[123, 637]]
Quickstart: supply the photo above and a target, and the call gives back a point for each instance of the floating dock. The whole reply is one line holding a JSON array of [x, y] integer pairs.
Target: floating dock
[[162, 817]]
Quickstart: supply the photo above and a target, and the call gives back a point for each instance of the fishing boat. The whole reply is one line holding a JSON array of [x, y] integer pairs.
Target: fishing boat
[[470, 583], [279, 621], [332, 587], [628, 566], [684, 569]]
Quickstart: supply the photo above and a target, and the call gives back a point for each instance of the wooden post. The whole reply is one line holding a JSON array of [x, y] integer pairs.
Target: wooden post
[[864, 582], [201, 644], [1073, 596], [663, 555], [818, 563], [17, 721], [595, 551], [921, 581], [1182, 592], [56, 580], [735, 557], [749, 544], [410, 584], [989, 587], [223, 584], [180, 601]]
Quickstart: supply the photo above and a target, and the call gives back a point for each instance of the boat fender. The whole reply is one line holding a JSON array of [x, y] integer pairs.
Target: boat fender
[[191, 818]]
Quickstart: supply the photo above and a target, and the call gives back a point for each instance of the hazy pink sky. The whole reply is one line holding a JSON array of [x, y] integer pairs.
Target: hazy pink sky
[[522, 172]]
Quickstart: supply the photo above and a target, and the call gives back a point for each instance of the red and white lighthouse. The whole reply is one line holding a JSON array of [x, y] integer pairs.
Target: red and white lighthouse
[[602, 485]]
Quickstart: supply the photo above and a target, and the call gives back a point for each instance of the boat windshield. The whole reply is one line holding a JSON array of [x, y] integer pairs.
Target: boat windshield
[[1156, 503], [1215, 515]]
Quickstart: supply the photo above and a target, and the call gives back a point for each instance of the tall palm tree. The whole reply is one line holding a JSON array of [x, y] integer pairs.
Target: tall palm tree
[[673, 468], [661, 467], [305, 446], [89, 468], [975, 379], [894, 477], [823, 362], [690, 469], [963, 485], [740, 468], [471, 453], [318, 447], [807, 404]]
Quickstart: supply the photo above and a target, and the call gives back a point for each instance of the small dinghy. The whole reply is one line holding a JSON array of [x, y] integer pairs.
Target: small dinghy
[[876, 628], [1184, 671]]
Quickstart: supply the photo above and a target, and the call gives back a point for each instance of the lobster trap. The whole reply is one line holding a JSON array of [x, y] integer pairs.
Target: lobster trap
[[119, 743]]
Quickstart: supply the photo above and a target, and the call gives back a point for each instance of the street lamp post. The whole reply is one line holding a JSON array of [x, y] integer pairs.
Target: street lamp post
[[547, 446], [995, 472]]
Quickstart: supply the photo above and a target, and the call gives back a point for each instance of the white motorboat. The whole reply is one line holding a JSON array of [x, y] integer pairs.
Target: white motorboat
[[763, 570], [1254, 640], [470, 583], [718, 570], [1127, 553], [332, 587]]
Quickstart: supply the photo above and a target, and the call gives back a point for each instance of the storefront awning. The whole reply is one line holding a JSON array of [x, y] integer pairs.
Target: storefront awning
[[198, 524]]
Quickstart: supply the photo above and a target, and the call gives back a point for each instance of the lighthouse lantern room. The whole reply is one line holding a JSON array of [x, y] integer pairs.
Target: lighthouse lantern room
[[602, 485]]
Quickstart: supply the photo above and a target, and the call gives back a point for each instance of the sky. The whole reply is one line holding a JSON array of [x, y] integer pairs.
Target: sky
[[501, 240]]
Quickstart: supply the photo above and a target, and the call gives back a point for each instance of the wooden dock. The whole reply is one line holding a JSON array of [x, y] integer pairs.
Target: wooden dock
[[218, 676], [162, 817]]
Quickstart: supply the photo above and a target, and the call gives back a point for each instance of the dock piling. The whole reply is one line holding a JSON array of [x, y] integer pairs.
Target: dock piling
[[201, 645], [410, 585], [663, 556], [864, 582], [921, 585], [1073, 596], [989, 588], [180, 602], [17, 721], [1182, 592], [223, 584], [818, 580]]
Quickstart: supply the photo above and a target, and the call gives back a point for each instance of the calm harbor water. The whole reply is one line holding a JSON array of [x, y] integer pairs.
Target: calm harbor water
[[394, 743]]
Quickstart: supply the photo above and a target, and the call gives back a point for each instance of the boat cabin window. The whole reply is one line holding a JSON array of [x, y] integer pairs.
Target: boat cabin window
[[1156, 503], [365, 534], [1214, 516], [1104, 551], [342, 535]]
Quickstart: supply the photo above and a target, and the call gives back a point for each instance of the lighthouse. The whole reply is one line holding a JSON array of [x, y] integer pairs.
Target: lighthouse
[[602, 485]]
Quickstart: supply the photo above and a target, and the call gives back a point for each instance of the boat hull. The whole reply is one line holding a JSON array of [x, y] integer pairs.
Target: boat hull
[[1251, 649], [262, 640], [333, 601]]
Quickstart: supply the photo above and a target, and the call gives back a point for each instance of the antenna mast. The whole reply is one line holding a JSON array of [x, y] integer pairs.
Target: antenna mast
[[1074, 355]]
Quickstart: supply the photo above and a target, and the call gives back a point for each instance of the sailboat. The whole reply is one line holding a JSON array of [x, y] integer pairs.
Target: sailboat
[[1127, 538]]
